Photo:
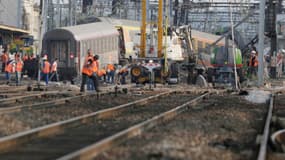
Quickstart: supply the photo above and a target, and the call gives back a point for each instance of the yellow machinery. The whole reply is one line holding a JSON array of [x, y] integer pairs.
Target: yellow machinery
[[159, 27], [156, 71]]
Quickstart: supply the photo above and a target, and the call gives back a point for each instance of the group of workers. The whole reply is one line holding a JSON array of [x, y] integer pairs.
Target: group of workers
[[27, 64], [91, 73], [270, 61]]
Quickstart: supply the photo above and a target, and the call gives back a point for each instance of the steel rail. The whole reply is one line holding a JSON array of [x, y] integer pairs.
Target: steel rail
[[47, 104], [92, 151], [51, 103], [17, 98], [264, 141], [9, 142]]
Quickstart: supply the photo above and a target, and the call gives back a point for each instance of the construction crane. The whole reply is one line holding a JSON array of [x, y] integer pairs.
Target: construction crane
[[159, 29], [158, 69]]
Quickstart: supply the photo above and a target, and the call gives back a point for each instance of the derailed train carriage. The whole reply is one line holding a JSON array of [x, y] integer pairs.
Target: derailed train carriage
[[70, 45]]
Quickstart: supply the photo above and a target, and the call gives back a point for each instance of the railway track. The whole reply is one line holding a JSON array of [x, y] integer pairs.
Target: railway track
[[275, 130], [221, 127], [25, 117], [34, 98], [127, 120]]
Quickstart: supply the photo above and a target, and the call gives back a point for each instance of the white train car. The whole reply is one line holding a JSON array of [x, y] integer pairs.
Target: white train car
[[70, 45]]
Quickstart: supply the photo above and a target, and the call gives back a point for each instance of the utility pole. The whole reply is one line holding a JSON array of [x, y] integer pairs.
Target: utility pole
[[261, 41], [58, 13], [43, 23], [160, 28], [70, 12]]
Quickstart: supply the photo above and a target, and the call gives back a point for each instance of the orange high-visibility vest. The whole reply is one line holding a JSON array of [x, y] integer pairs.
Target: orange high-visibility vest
[[5, 58], [87, 69], [46, 68], [253, 63], [9, 67], [101, 72], [19, 66], [110, 67], [54, 67], [95, 66]]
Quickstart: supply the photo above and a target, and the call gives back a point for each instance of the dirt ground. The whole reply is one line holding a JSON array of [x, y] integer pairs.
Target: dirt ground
[[222, 127], [11, 123]]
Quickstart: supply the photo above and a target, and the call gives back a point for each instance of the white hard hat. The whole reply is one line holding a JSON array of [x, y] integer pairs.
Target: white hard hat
[[253, 51], [150, 61], [283, 50]]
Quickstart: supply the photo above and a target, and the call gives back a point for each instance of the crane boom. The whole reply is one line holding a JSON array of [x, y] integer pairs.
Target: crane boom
[[143, 29], [160, 29]]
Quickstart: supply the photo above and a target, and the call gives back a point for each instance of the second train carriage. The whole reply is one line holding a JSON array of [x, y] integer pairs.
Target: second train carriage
[[70, 45]]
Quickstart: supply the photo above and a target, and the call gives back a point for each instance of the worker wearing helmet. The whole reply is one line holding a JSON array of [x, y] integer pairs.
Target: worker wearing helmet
[[10, 68], [45, 69], [253, 63], [18, 68], [90, 84], [95, 69], [110, 73], [86, 73]]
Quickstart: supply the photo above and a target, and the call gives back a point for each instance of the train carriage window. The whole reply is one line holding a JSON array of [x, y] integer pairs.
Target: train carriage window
[[102, 45], [89, 45], [96, 46], [106, 45], [115, 42], [110, 44], [112, 40]]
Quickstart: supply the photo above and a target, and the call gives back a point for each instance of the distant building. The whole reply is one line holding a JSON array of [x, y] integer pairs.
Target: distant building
[[11, 13], [31, 19], [19, 19]]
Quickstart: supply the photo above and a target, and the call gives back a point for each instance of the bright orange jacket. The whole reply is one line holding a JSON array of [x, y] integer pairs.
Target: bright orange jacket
[[95, 66], [19, 66], [110, 67], [87, 69], [5, 57], [101, 72], [46, 67], [253, 63], [9, 68]]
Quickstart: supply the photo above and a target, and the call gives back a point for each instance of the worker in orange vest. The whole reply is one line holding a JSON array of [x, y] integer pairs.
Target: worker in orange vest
[[25, 57], [110, 73], [90, 84], [87, 72], [89, 55], [123, 73], [54, 70], [95, 74], [102, 73], [18, 68], [253, 63], [9, 69], [45, 70], [4, 59]]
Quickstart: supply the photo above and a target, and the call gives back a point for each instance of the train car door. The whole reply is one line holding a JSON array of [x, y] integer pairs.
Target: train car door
[[59, 49]]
